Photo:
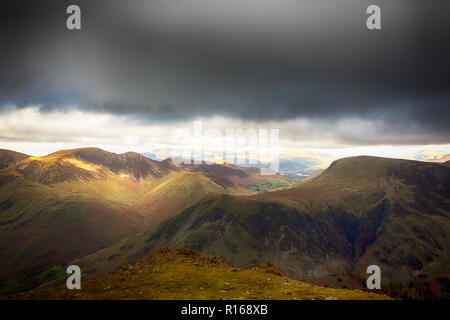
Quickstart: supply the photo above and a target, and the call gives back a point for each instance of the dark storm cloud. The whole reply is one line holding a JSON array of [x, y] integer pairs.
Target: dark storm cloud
[[257, 60]]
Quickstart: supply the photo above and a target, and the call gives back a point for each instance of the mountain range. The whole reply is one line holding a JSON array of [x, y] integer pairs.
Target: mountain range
[[430, 155], [72, 203], [103, 211]]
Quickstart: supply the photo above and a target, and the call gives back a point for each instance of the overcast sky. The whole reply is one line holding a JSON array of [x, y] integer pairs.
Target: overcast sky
[[140, 69]]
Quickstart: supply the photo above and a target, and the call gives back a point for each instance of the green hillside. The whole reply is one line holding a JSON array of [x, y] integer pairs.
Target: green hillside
[[269, 185], [175, 194], [41, 226]]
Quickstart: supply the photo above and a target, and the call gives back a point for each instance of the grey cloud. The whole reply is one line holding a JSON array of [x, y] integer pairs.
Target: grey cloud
[[257, 60]]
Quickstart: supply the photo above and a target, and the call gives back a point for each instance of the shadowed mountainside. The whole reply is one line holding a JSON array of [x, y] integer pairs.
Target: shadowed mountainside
[[9, 158]]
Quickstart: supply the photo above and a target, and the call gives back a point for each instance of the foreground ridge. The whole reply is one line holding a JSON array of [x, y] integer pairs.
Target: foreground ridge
[[186, 274]]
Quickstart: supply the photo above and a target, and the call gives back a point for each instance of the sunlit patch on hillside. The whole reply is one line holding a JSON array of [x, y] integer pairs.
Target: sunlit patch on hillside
[[83, 165], [215, 160]]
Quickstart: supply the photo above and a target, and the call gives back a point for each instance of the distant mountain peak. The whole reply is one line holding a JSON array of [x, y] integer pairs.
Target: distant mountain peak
[[430, 155]]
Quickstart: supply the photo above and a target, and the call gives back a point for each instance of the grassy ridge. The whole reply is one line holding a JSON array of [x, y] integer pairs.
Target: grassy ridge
[[185, 274], [175, 194]]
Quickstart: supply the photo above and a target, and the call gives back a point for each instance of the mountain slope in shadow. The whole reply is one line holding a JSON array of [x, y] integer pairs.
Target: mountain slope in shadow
[[9, 158]]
